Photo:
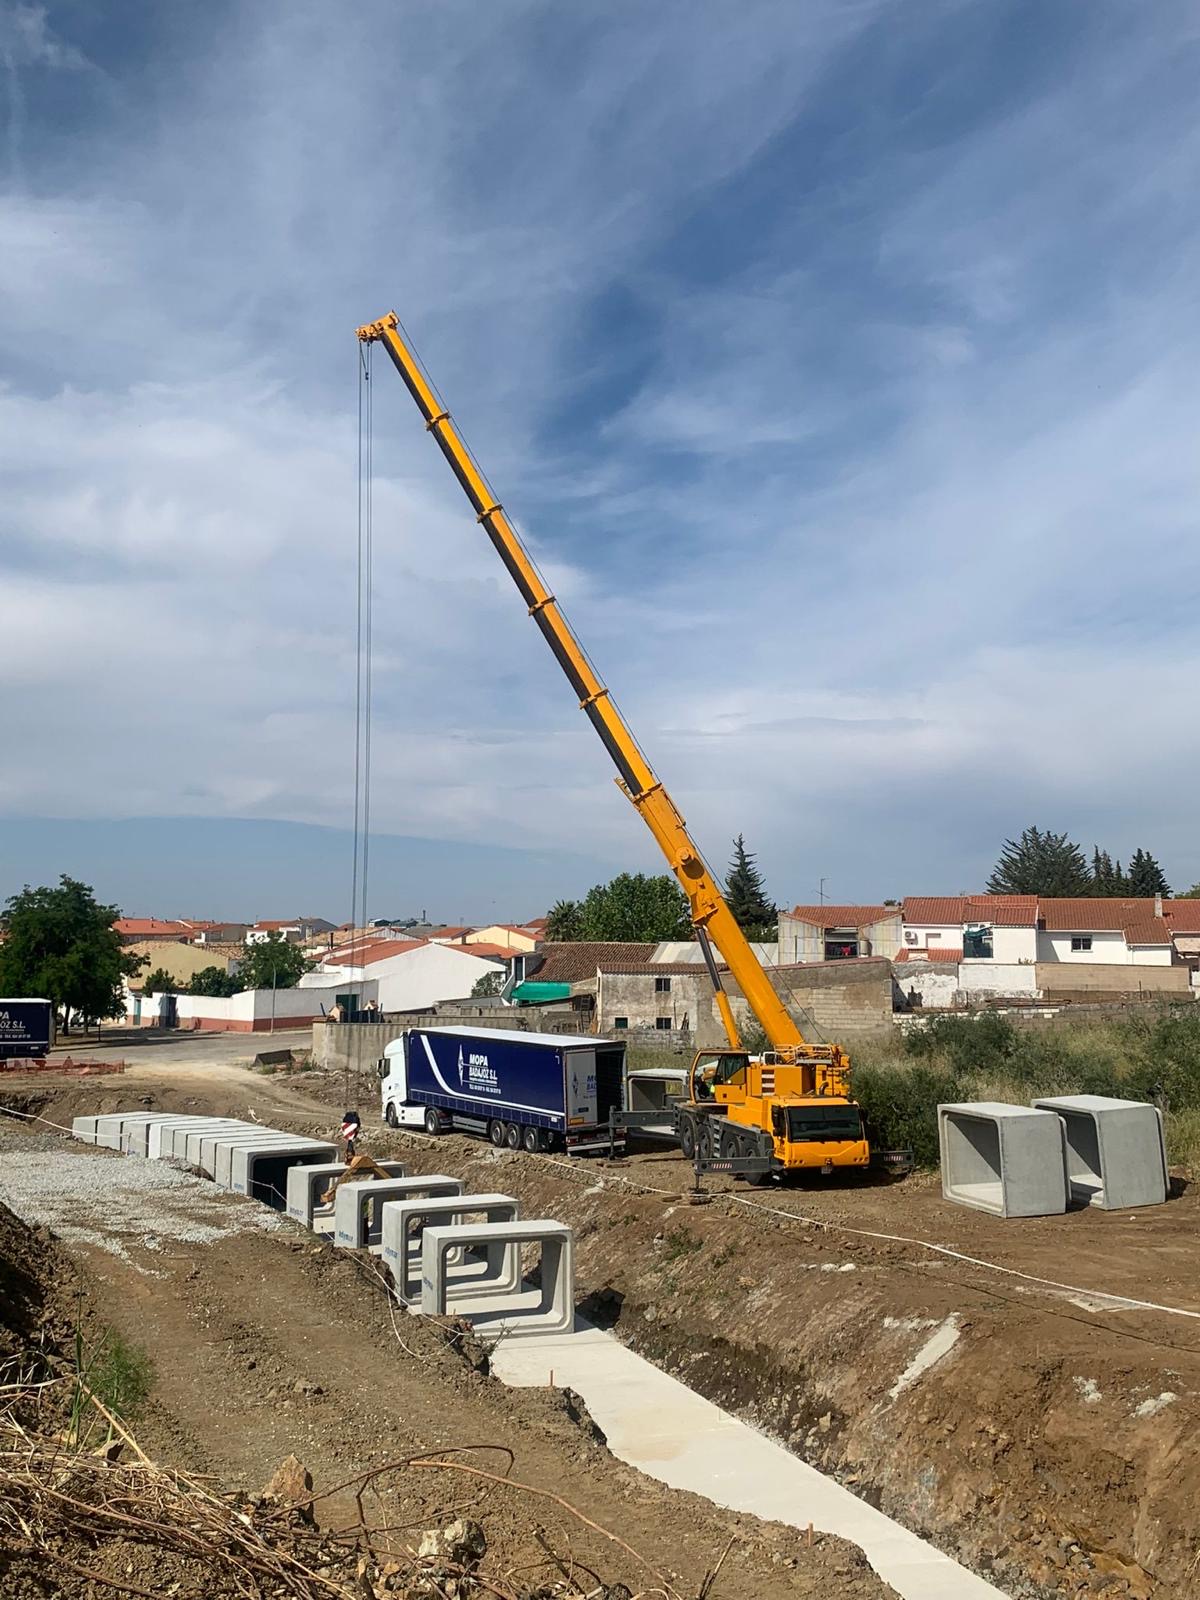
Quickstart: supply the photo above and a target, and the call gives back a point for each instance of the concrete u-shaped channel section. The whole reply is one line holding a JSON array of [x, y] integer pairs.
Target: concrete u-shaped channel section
[[651, 1420]]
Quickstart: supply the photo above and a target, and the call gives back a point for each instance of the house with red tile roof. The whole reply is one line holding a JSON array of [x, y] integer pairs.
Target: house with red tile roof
[[838, 932]]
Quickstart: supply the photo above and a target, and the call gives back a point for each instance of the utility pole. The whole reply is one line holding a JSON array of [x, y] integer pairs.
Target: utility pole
[[274, 970]]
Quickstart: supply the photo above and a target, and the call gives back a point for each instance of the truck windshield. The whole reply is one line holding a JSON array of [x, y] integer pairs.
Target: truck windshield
[[824, 1122]]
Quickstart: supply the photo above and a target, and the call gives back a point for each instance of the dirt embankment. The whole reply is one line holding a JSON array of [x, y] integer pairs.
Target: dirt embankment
[[267, 1343], [1041, 1435]]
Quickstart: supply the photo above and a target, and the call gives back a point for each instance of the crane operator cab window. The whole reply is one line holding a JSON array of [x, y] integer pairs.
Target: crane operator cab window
[[719, 1067]]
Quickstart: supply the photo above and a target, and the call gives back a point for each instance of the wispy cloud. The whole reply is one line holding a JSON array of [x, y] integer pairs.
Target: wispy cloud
[[839, 361]]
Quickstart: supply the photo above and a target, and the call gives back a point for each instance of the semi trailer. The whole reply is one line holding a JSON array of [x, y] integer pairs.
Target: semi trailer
[[531, 1091]]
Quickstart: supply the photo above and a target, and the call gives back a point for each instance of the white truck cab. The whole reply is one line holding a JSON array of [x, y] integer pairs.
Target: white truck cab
[[393, 1091]]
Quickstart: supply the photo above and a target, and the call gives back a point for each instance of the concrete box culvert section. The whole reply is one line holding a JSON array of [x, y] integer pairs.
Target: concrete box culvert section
[[1008, 1160], [109, 1126], [84, 1129], [357, 1207], [516, 1311], [186, 1142], [161, 1135], [216, 1149], [404, 1221], [305, 1185], [259, 1166], [1116, 1153]]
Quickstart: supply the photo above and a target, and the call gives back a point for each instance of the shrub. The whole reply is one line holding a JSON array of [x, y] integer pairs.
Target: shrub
[[900, 1104], [980, 1043]]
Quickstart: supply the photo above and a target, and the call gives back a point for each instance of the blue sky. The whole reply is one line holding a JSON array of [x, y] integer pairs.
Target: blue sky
[[838, 361]]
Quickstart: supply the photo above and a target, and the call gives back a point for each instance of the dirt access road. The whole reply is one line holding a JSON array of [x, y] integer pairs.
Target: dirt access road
[[267, 1342], [1041, 1432]]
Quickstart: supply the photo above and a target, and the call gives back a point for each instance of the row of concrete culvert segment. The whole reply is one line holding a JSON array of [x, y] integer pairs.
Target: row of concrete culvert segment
[[448, 1252]]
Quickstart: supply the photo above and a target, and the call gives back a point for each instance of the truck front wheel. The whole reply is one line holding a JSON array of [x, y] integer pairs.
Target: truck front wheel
[[390, 1117]]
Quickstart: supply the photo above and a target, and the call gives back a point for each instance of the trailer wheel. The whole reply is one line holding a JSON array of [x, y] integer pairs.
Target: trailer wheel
[[512, 1136], [496, 1133], [531, 1140], [433, 1123], [390, 1117], [687, 1138]]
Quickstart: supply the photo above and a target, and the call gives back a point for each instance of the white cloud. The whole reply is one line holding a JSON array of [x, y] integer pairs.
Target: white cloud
[[877, 537]]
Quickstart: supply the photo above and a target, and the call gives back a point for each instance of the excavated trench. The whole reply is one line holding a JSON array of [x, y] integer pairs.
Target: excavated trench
[[1047, 1448], [1043, 1441]]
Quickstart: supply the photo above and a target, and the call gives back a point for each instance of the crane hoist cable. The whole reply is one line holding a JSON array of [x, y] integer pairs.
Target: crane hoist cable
[[363, 655]]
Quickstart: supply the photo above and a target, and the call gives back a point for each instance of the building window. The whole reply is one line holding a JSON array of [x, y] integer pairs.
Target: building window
[[1081, 941], [977, 944], [841, 949], [662, 985], [620, 1022], [662, 1023]]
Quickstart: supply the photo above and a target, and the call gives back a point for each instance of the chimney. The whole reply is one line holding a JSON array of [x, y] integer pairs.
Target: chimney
[[1158, 905]]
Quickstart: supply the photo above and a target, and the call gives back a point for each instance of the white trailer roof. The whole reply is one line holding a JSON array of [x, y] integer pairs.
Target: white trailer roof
[[566, 1040]]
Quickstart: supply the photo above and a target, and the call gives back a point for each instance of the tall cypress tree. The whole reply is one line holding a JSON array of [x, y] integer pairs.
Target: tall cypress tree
[[746, 894], [1146, 876]]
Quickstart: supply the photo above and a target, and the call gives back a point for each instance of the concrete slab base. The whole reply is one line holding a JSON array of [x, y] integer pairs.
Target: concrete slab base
[[659, 1425]]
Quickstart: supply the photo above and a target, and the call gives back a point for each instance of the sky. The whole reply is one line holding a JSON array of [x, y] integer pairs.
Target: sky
[[837, 358]]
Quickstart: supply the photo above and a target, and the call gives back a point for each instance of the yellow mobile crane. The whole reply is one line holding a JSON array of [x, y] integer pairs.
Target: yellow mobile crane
[[787, 1111]]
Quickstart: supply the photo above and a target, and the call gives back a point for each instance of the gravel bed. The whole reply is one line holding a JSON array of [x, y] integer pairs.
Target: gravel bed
[[98, 1197]]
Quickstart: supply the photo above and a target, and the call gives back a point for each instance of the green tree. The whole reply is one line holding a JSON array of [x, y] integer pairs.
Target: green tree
[[215, 982], [1108, 876], [1191, 894], [1041, 863], [637, 907], [746, 894], [490, 984], [61, 944], [272, 963], [1146, 876], [159, 981], [565, 921]]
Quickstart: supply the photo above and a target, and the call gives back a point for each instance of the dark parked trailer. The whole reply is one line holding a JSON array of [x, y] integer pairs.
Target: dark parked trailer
[[26, 1029], [539, 1091]]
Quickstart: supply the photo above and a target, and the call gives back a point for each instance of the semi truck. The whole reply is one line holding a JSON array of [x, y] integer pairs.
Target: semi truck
[[26, 1029], [531, 1091]]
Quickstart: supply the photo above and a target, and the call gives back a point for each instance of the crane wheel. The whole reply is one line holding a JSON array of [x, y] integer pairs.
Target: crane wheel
[[687, 1138], [729, 1144], [704, 1140]]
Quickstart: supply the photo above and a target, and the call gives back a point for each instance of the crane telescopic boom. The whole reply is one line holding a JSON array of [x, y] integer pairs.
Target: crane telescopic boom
[[711, 916]]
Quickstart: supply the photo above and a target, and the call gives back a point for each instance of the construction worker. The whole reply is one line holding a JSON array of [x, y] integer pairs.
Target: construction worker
[[349, 1131]]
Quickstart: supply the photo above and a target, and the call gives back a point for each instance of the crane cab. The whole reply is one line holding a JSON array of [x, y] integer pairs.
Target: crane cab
[[795, 1112]]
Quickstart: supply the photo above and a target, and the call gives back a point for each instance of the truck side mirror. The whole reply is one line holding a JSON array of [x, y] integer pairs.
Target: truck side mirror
[[383, 1066]]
